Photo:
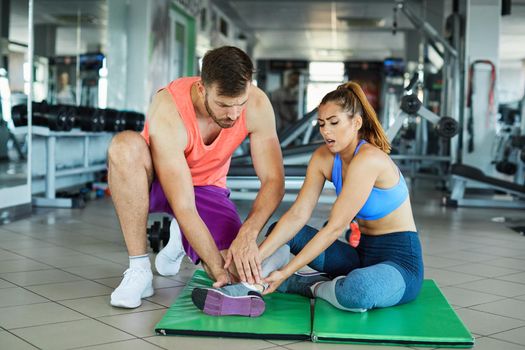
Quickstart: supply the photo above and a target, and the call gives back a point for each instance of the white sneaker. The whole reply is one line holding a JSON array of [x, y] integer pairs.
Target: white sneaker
[[136, 284], [168, 260]]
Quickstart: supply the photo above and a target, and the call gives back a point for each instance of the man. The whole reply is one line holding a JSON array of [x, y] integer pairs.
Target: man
[[179, 164], [284, 101]]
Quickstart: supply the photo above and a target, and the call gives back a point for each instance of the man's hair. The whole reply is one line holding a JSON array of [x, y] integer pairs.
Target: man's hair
[[229, 67]]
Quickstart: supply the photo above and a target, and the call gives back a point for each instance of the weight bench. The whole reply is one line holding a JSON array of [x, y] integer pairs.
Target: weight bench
[[461, 174], [244, 183], [293, 155], [427, 321]]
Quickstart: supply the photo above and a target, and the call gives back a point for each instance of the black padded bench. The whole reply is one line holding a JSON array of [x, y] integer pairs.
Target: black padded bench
[[462, 173]]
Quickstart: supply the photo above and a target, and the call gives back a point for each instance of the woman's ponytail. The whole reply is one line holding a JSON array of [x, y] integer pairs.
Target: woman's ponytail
[[372, 130]]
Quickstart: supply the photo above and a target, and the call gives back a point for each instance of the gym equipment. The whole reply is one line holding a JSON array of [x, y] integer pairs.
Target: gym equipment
[[392, 88], [287, 317], [244, 184], [157, 234], [462, 173], [519, 229], [90, 119], [96, 119], [133, 120], [303, 127], [446, 127], [4, 137], [293, 155], [508, 144], [64, 159], [449, 50], [427, 321], [55, 117], [114, 120], [470, 120]]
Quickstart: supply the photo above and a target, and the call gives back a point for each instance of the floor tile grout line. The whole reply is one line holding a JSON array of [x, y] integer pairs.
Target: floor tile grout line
[[474, 275], [109, 325], [41, 216], [40, 262], [508, 330], [491, 313], [493, 301], [50, 323], [42, 284], [85, 279], [124, 313], [506, 341], [82, 319], [24, 340], [60, 246], [57, 302], [50, 242], [502, 280], [472, 290], [114, 342], [146, 340], [82, 280], [274, 346], [442, 285]]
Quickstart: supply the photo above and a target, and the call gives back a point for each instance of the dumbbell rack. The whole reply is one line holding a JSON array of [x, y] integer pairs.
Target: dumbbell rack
[[52, 174]]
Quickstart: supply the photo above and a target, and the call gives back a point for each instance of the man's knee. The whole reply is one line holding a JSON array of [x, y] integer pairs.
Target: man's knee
[[128, 149]]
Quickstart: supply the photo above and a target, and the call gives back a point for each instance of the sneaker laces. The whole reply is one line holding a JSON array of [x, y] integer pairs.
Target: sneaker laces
[[128, 275]]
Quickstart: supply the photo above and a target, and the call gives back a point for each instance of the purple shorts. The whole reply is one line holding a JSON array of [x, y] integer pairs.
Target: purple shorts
[[214, 207]]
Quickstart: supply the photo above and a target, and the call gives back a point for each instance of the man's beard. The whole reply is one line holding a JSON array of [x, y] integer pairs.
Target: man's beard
[[222, 123]]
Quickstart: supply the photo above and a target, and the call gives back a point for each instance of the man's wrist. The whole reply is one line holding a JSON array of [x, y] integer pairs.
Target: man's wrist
[[218, 270], [249, 232]]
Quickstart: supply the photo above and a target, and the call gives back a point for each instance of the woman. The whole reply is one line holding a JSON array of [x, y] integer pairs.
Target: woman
[[386, 267]]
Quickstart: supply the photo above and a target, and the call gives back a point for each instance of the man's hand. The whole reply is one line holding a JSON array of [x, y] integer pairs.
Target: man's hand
[[245, 253], [275, 279], [222, 278]]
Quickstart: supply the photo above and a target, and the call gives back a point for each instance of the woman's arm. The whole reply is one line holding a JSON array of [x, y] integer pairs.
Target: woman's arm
[[299, 214], [357, 185]]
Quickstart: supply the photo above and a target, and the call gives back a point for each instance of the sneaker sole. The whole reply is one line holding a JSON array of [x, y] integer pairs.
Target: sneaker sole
[[215, 303]]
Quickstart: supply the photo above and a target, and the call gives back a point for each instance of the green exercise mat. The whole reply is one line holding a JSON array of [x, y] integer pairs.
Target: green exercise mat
[[287, 316], [427, 321]]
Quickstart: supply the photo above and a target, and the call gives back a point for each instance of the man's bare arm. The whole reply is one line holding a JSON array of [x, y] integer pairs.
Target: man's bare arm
[[168, 140], [267, 161]]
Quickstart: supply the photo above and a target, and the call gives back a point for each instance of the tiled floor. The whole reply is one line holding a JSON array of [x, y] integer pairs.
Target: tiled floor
[[58, 268]]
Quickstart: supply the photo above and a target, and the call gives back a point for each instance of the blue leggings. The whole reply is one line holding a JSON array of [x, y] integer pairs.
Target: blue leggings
[[382, 271]]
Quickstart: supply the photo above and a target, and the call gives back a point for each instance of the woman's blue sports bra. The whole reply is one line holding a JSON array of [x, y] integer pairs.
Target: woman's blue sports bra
[[380, 202]]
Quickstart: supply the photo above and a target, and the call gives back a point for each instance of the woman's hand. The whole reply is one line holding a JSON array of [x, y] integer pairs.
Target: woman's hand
[[274, 280]]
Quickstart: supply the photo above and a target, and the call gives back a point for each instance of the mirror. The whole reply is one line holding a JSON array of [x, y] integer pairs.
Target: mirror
[[14, 85]]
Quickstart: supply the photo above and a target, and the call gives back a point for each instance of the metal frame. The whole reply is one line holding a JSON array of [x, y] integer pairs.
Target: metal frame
[[402, 116], [246, 188], [453, 76], [303, 126], [50, 199], [516, 200]]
